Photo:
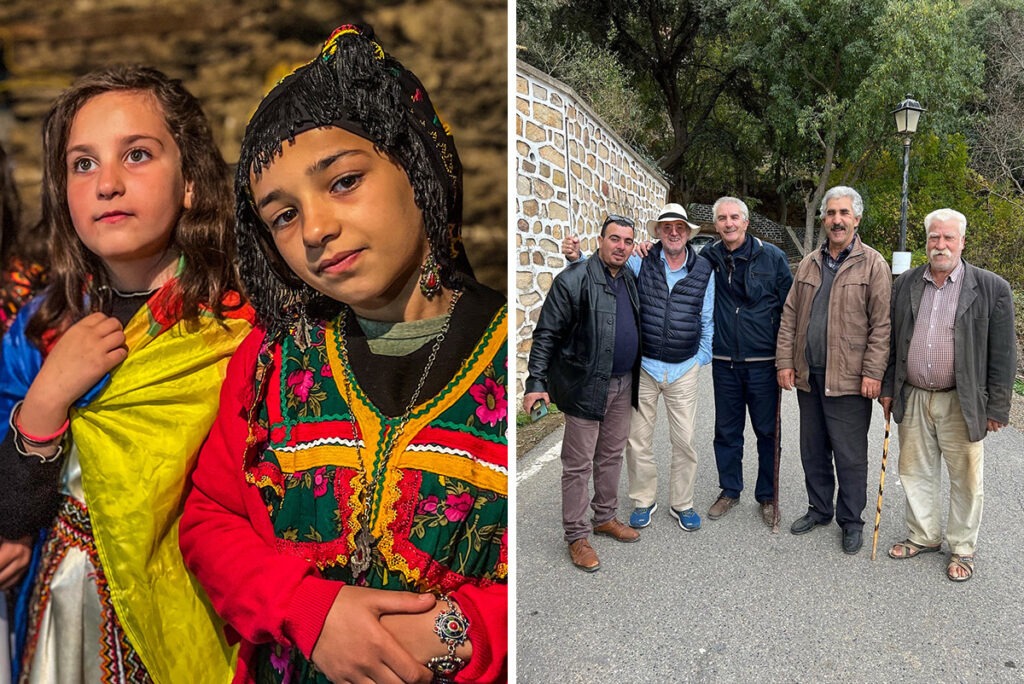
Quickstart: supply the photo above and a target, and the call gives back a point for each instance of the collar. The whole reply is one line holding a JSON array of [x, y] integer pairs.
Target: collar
[[954, 275]]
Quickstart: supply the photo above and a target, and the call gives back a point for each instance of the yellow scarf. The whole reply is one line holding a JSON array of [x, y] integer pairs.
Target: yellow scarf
[[138, 441]]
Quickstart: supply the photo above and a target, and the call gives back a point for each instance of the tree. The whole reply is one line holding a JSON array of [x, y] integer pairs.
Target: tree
[[674, 51], [829, 72], [998, 150]]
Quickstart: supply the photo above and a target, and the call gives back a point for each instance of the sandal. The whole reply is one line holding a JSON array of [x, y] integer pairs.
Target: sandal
[[965, 563], [908, 549]]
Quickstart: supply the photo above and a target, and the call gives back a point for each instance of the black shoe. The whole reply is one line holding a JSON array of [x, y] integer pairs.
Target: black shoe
[[805, 524], [852, 540]]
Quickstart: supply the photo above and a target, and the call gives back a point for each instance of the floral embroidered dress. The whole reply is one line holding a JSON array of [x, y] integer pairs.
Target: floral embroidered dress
[[439, 513]]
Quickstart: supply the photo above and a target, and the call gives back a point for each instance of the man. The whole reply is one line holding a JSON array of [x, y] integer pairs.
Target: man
[[677, 296], [585, 358], [752, 279], [833, 347], [949, 381]]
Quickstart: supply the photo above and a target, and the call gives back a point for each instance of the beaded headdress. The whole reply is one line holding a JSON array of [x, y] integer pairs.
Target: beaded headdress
[[355, 85]]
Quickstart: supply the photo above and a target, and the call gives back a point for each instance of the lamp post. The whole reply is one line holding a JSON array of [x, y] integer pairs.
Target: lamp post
[[907, 114]]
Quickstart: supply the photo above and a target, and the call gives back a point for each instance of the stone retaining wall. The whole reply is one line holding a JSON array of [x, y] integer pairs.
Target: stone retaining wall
[[571, 171]]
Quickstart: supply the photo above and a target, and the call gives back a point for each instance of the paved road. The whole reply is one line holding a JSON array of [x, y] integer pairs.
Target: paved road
[[734, 603]]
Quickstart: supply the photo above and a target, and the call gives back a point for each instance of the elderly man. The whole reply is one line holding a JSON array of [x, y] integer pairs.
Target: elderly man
[[677, 295], [833, 347], [752, 279], [948, 383], [585, 358]]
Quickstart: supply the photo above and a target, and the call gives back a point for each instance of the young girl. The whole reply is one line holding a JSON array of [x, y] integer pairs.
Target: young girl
[[115, 370], [349, 510]]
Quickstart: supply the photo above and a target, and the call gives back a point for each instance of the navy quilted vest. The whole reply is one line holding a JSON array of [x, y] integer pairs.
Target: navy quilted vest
[[670, 325]]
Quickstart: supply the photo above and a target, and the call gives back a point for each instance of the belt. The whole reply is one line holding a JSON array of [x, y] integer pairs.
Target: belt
[[934, 389]]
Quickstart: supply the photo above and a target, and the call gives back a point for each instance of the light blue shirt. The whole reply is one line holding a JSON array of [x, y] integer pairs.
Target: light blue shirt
[[670, 372]]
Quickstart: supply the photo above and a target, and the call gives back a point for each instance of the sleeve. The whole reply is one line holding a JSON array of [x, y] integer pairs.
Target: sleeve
[[783, 279], [553, 324], [32, 493], [487, 611], [889, 379], [787, 330], [1002, 354], [227, 539], [879, 298], [707, 323]]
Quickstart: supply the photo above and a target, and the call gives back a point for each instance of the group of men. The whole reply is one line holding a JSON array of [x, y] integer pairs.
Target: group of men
[[636, 322]]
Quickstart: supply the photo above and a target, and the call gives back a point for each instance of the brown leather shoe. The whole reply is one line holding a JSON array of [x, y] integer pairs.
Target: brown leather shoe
[[617, 531], [721, 506], [768, 513], [583, 555]]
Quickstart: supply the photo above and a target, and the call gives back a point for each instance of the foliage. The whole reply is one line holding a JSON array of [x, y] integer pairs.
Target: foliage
[[829, 72], [591, 70]]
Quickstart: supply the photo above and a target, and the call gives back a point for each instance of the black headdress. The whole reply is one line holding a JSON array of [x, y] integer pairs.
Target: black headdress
[[354, 85]]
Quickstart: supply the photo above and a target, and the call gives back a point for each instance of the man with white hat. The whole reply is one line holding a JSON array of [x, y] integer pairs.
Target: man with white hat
[[677, 295]]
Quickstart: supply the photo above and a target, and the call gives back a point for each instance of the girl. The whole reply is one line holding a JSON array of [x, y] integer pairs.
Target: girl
[[118, 400], [349, 510]]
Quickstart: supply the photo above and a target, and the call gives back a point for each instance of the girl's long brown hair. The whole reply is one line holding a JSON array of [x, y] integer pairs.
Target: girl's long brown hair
[[204, 233]]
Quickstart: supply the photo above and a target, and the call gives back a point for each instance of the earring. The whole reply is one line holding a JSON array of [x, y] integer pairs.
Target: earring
[[430, 277]]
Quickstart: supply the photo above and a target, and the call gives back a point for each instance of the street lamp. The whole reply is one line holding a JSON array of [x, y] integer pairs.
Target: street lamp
[[907, 114]]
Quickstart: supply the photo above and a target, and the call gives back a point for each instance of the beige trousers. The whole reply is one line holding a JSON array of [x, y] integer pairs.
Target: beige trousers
[[933, 430], [681, 405]]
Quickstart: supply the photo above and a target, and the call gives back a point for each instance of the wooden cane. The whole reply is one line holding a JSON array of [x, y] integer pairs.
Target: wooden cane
[[881, 488], [778, 453]]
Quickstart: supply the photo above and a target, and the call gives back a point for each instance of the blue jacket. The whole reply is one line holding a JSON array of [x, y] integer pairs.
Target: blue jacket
[[746, 328]]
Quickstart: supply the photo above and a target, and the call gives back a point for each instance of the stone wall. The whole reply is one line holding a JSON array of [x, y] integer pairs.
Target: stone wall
[[229, 54], [571, 171]]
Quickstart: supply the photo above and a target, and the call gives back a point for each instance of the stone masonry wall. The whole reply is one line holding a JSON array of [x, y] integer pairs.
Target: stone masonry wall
[[571, 171], [230, 53]]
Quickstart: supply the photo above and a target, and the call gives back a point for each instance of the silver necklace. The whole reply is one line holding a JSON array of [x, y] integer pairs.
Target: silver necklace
[[362, 557]]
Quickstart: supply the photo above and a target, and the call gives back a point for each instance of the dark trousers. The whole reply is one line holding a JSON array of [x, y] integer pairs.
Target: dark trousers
[[594, 447], [834, 428], [741, 388]]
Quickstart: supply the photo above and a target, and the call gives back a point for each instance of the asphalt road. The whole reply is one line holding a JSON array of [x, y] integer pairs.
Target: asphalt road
[[732, 602]]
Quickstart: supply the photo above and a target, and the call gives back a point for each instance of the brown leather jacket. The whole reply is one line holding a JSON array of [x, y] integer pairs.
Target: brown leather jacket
[[858, 320]]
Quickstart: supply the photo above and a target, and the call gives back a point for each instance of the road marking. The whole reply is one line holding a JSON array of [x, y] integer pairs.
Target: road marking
[[550, 455]]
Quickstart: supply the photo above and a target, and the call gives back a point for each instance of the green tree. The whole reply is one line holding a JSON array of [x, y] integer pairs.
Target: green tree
[[828, 73]]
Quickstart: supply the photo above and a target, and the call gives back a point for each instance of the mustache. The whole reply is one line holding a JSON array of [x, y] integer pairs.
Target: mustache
[[940, 252]]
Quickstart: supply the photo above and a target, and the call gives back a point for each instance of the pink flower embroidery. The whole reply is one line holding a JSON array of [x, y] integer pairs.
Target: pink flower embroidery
[[428, 505], [300, 382], [458, 506], [326, 371], [320, 481], [491, 397]]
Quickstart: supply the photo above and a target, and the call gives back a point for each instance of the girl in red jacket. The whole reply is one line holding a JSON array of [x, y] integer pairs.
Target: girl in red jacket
[[349, 512]]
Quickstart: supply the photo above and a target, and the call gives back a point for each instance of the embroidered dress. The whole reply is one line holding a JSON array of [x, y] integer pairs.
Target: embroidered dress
[[112, 601], [439, 513]]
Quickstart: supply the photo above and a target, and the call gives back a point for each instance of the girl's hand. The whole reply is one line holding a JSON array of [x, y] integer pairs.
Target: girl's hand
[[86, 352], [15, 555], [415, 633], [355, 647]]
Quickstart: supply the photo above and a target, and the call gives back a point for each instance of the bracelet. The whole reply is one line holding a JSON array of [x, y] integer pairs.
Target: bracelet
[[32, 439], [21, 440], [452, 627]]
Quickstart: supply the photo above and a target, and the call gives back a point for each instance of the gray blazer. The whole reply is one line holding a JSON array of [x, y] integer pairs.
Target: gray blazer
[[985, 346]]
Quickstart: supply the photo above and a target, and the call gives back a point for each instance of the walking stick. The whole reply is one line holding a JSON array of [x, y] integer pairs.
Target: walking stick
[[778, 453], [881, 487]]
